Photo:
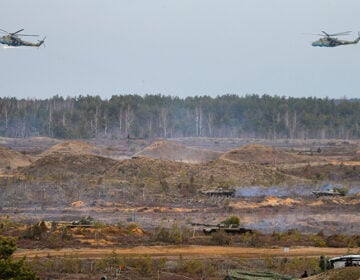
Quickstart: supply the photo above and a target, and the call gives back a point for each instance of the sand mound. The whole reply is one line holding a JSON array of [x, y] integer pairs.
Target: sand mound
[[10, 159], [74, 148], [177, 152], [261, 155]]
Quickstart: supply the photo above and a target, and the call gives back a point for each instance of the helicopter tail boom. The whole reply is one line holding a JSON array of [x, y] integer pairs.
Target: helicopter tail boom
[[355, 41]]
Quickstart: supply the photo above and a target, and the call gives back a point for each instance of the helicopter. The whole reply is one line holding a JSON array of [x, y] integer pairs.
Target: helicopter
[[13, 39], [329, 41]]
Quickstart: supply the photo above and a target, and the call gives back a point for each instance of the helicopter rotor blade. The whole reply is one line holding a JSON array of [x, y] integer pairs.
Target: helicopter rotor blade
[[312, 34], [4, 31], [341, 33], [335, 34], [325, 33], [317, 34], [14, 33], [28, 35]]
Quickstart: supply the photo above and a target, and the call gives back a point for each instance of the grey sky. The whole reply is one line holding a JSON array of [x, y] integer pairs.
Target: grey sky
[[180, 48]]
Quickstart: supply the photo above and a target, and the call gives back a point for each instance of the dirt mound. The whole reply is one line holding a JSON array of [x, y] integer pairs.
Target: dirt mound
[[144, 167], [177, 152], [63, 164], [74, 148], [348, 273], [259, 154], [241, 174], [10, 159], [212, 173]]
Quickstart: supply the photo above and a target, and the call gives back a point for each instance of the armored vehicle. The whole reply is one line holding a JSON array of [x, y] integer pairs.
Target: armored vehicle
[[219, 192]]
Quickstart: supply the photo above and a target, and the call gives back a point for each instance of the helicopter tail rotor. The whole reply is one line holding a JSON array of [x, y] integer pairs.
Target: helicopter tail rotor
[[41, 42]]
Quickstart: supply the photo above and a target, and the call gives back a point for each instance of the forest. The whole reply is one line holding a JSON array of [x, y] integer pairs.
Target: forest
[[160, 116]]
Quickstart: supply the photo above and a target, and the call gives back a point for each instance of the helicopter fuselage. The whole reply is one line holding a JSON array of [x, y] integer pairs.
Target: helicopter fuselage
[[15, 41], [333, 42]]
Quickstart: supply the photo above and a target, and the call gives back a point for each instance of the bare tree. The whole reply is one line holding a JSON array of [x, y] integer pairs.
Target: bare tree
[[129, 118], [211, 123], [164, 115], [198, 120]]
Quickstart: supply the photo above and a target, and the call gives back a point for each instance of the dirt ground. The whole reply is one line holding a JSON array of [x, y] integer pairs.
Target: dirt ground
[[202, 252]]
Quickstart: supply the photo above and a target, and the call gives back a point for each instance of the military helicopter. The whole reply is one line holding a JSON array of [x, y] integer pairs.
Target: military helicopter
[[13, 39], [329, 41]]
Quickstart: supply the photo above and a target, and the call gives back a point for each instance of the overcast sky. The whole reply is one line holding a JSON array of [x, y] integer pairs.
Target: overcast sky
[[180, 48]]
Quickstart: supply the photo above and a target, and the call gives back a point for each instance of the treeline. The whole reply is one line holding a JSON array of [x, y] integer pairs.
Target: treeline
[[152, 116]]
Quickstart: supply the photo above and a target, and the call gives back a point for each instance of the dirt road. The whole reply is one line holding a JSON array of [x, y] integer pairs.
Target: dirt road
[[201, 252]]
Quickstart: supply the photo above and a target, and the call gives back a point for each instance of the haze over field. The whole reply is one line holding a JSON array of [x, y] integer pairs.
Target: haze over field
[[181, 48]]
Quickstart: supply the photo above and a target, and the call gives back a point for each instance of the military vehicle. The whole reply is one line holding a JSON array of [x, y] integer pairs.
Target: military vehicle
[[209, 229], [13, 39], [219, 192], [345, 261], [83, 222], [330, 190], [329, 41]]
